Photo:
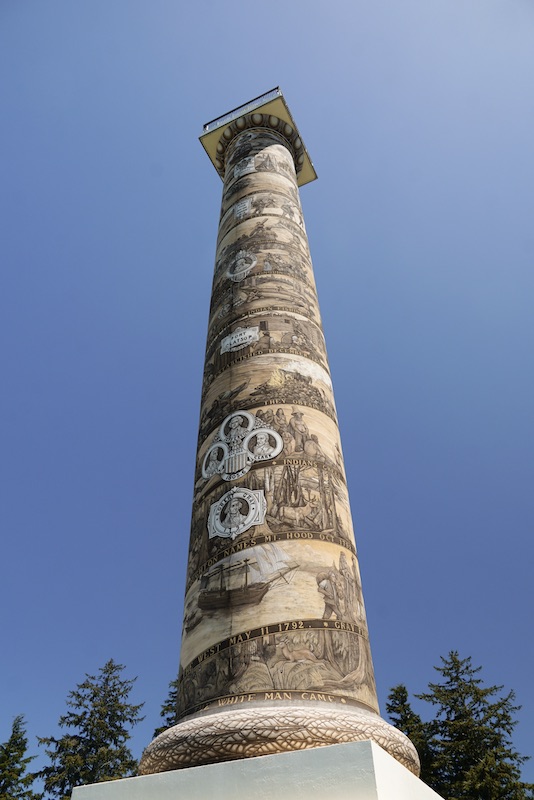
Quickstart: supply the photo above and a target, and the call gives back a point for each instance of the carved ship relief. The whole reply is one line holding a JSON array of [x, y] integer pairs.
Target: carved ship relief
[[246, 582]]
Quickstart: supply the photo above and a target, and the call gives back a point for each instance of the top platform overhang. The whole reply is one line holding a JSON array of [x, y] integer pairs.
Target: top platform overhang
[[271, 103]]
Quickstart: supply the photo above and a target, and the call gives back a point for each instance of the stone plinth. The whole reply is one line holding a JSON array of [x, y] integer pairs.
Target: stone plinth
[[354, 771]]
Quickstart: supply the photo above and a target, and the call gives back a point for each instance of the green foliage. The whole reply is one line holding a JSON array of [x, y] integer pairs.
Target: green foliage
[[169, 709], [406, 720], [94, 748], [466, 750], [15, 784]]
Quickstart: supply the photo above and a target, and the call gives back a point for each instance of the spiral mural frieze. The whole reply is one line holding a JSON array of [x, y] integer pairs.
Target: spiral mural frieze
[[274, 616]]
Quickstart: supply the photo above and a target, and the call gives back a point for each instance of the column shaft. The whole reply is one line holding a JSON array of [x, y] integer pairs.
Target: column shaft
[[275, 650]]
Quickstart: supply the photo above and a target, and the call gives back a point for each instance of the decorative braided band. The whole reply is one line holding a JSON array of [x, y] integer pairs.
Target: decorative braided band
[[245, 733]]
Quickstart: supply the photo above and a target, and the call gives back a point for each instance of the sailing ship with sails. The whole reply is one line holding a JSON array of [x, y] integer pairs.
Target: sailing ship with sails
[[245, 582]]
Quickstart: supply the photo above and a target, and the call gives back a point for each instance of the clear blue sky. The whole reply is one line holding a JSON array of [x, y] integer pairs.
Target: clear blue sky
[[419, 117]]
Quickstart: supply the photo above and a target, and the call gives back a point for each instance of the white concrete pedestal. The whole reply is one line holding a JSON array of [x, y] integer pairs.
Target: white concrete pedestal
[[354, 771]]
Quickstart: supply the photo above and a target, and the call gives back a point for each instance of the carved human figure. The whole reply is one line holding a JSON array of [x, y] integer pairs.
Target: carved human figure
[[262, 446], [214, 464], [237, 432], [241, 263], [313, 449], [299, 429], [328, 585], [234, 518], [267, 417], [349, 588], [280, 421], [264, 342], [281, 425]]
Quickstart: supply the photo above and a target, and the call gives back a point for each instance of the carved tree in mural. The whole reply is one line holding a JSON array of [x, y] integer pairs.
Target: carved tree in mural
[[289, 492]]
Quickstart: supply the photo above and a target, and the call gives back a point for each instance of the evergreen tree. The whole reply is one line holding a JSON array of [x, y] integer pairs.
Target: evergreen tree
[[169, 709], [468, 744], [418, 732], [94, 748], [15, 783]]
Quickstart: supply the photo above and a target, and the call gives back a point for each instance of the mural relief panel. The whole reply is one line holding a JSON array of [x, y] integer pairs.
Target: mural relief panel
[[264, 333], [266, 264], [279, 202], [249, 185], [273, 379], [266, 291], [264, 583], [259, 235], [304, 661]]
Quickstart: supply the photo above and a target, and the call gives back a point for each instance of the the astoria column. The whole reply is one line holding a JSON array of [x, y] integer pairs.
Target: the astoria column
[[275, 650]]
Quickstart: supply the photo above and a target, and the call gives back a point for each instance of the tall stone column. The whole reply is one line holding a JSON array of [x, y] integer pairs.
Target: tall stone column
[[275, 650]]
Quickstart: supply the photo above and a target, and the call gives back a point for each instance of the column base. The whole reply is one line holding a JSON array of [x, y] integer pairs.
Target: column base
[[249, 732], [354, 771]]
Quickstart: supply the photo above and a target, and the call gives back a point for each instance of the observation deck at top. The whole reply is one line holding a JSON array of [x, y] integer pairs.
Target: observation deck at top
[[270, 111]]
